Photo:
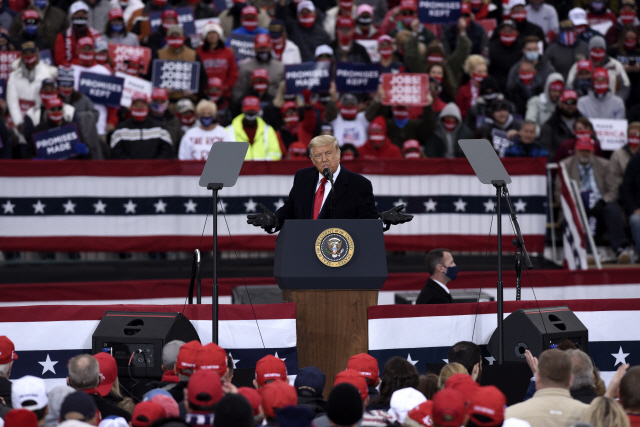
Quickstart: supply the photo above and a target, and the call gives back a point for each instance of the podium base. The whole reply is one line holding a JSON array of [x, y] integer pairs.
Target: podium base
[[331, 326]]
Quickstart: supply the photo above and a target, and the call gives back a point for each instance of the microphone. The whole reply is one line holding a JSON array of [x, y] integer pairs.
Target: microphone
[[328, 174]]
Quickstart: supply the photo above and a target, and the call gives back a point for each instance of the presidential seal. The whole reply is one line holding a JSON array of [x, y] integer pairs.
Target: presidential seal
[[334, 247]]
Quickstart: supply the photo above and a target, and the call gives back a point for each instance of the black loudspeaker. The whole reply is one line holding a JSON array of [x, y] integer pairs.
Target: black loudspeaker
[[537, 331], [136, 339]]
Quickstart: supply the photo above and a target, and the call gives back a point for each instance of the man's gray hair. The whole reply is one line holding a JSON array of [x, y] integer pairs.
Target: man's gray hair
[[84, 372], [321, 141], [582, 369], [4, 369]]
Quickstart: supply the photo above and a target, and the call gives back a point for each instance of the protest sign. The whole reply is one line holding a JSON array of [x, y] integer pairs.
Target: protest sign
[[405, 89], [357, 78], [611, 133], [315, 76], [185, 20], [372, 49], [45, 57], [6, 58], [500, 141], [242, 46], [57, 143], [132, 85], [101, 89], [176, 75], [120, 53], [439, 11]]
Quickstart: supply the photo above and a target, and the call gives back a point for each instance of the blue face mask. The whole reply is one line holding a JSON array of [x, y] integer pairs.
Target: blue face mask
[[31, 29], [40, 4], [117, 28], [207, 121], [532, 56], [452, 272], [401, 123]]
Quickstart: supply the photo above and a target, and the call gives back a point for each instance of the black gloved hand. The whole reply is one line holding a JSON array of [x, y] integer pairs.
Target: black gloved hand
[[395, 216], [267, 220]]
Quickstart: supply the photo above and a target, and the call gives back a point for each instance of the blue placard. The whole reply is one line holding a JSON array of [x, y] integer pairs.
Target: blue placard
[[176, 75], [57, 143], [242, 46], [315, 76], [357, 78], [185, 20], [102, 89], [223, 5], [3, 88], [439, 11], [45, 57]]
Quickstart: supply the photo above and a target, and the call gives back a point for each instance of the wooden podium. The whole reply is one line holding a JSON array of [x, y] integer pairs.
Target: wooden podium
[[332, 270]]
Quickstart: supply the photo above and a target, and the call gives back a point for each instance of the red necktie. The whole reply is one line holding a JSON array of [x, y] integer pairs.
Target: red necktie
[[317, 202]]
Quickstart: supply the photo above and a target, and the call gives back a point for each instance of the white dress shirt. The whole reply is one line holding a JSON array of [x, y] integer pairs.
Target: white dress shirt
[[443, 286], [327, 185]]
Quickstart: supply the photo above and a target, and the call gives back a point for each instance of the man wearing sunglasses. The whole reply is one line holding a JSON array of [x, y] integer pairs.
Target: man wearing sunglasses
[[559, 127]]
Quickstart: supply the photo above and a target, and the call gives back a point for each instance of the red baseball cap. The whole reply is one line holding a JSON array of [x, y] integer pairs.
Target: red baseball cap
[[462, 383], [186, 362], [569, 94], [7, 350], [139, 96], [52, 103], [486, 408], [365, 364], [251, 103], [385, 38], [422, 414], [556, 85], [21, 418], [277, 395], [251, 394], [585, 144], [169, 13], [269, 367], [600, 72], [30, 14], [298, 149], [409, 5], [585, 64], [212, 357], [249, 10], [204, 388], [262, 40], [288, 105], [115, 13], [215, 82], [108, 372], [465, 8], [160, 93], [85, 41], [344, 21], [259, 73], [449, 408], [355, 379], [146, 413]]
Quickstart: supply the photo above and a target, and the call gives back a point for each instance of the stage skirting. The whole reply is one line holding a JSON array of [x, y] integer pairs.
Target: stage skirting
[[548, 285], [159, 206], [423, 334]]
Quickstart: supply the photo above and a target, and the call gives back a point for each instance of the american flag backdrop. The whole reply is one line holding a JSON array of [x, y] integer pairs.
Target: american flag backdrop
[[158, 205]]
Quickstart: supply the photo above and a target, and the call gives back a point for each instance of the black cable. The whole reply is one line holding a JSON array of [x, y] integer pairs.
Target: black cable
[[486, 254], [133, 379], [224, 214], [200, 246]]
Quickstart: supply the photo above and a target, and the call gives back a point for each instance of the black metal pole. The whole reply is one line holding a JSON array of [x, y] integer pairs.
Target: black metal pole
[[214, 302], [499, 287]]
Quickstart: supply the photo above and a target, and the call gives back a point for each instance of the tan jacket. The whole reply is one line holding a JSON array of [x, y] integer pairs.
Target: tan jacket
[[604, 179], [617, 165], [549, 407]]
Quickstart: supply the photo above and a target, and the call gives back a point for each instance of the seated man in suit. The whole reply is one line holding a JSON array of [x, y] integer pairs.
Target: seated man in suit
[[442, 269], [310, 197]]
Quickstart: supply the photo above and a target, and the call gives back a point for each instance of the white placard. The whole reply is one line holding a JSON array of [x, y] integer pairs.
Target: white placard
[[133, 84], [611, 133], [372, 49]]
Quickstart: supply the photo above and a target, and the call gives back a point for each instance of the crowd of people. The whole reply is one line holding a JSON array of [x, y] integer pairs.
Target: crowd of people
[[197, 390], [530, 77]]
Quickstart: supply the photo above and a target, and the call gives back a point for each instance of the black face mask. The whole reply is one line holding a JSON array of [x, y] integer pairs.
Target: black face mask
[[364, 20], [80, 22], [263, 56], [565, 113]]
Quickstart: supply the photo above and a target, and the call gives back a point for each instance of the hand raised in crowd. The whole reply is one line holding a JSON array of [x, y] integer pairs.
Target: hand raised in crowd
[[531, 361], [333, 91], [462, 24], [511, 134], [614, 384], [415, 25]]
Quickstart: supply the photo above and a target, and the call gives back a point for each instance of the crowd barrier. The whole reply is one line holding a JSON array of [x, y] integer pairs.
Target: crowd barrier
[[116, 206]]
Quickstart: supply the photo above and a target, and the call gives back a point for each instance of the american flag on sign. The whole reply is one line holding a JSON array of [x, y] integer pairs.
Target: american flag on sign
[[573, 237]]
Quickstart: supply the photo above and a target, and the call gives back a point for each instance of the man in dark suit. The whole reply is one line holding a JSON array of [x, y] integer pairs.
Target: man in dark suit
[[310, 196], [442, 269]]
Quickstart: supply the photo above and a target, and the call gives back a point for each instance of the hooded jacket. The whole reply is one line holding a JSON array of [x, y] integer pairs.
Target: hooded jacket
[[540, 108], [23, 87], [610, 106], [619, 82], [543, 70], [441, 142], [386, 151]]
